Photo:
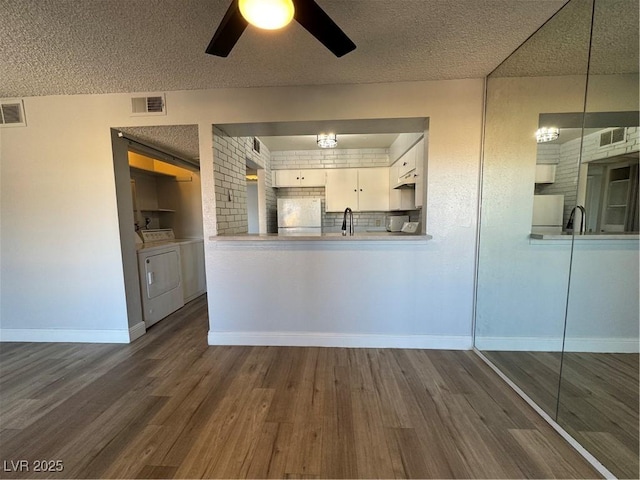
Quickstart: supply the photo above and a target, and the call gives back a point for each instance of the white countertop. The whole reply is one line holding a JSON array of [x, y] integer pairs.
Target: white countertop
[[620, 240], [588, 237], [324, 237]]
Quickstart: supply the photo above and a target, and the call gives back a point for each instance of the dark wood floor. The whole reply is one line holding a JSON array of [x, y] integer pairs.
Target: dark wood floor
[[170, 406], [599, 399]]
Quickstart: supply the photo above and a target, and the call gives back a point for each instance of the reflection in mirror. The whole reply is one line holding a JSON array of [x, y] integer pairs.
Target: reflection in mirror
[[522, 287], [598, 398], [605, 201], [557, 285]]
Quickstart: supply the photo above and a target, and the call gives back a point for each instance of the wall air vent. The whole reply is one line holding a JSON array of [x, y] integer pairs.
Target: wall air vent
[[12, 113], [610, 137], [153, 104]]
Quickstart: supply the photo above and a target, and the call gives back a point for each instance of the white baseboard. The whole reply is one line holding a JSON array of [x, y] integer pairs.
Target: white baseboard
[[519, 344], [602, 345], [550, 344], [314, 339], [137, 331], [63, 335]]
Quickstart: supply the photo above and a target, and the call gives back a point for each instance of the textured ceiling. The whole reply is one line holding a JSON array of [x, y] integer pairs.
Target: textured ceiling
[[562, 46], [52, 47], [179, 140]]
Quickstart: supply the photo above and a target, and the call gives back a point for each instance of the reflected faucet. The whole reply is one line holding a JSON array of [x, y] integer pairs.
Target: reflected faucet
[[348, 212], [583, 218]]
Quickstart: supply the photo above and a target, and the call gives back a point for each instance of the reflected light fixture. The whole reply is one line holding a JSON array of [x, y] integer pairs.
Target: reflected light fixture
[[327, 140], [547, 134], [267, 14]]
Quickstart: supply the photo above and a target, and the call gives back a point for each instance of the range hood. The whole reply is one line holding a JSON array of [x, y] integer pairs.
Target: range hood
[[408, 181]]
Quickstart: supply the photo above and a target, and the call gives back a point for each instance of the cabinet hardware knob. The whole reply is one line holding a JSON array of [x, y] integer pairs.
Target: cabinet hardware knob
[[355, 189], [297, 178], [360, 189], [404, 164]]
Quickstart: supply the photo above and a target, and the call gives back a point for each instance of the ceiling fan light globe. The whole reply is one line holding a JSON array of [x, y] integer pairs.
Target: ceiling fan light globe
[[267, 14]]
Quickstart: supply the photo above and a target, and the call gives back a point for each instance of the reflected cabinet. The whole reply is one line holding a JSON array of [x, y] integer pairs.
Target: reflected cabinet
[[557, 308]]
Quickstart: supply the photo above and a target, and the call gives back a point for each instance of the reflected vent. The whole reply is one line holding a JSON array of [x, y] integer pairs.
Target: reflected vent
[[616, 135], [148, 105], [12, 113]]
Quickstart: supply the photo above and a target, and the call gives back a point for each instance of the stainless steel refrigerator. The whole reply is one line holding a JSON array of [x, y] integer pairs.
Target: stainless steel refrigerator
[[299, 216]]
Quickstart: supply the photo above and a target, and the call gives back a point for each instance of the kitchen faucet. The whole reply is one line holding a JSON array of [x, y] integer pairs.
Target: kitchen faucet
[[583, 218], [349, 212]]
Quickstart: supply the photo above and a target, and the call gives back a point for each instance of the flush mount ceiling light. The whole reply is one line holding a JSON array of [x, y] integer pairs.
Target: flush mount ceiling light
[[547, 134], [267, 14], [327, 140]]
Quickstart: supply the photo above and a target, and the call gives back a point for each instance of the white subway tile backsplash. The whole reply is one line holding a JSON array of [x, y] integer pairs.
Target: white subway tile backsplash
[[330, 158], [230, 155]]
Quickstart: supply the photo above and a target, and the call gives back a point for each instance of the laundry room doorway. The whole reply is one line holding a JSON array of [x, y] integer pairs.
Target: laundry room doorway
[[158, 193]]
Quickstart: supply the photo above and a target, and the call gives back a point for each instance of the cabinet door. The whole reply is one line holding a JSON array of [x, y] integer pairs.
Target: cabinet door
[[373, 189], [395, 196], [545, 173], [420, 174], [193, 270], [287, 178], [341, 190], [315, 177], [407, 162]]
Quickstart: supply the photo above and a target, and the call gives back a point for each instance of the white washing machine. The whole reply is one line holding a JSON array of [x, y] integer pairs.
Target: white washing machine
[[160, 269]]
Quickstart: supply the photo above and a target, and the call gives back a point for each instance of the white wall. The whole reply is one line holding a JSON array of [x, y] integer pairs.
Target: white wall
[[59, 215], [522, 284], [252, 207]]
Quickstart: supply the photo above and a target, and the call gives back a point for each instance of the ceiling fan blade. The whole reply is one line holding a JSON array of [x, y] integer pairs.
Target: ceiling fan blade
[[309, 14], [228, 32]]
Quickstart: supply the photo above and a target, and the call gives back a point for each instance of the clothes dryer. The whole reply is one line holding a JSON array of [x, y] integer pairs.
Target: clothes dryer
[[159, 268]]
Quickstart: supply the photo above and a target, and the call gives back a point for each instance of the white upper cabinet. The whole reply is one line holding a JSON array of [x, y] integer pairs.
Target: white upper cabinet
[[361, 189], [373, 189], [341, 190], [420, 174], [407, 162], [315, 177], [545, 173]]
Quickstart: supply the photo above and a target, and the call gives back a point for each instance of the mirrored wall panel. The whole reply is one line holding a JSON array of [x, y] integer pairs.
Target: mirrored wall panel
[[557, 292], [523, 281], [599, 383]]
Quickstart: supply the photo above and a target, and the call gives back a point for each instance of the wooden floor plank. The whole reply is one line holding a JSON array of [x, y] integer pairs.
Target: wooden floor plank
[[338, 436], [270, 455], [372, 452]]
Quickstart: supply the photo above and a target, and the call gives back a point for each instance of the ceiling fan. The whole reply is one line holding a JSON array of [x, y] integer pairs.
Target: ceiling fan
[[306, 12]]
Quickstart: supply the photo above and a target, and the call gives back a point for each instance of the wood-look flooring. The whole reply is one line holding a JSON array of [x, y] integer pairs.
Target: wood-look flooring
[[599, 399], [169, 406], [537, 373]]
